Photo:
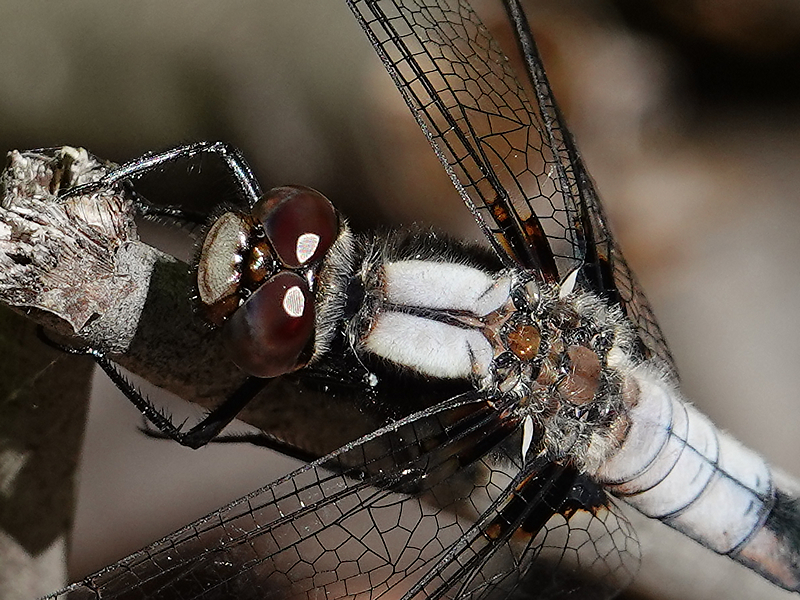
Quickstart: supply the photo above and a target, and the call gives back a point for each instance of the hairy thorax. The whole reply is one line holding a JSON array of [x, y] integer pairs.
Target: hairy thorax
[[562, 354]]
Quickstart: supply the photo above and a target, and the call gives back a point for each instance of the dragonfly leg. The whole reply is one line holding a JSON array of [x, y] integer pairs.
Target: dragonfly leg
[[256, 438], [199, 435], [247, 185]]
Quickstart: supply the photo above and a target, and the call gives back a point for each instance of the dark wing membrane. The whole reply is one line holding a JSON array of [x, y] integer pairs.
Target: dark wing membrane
[[513, 162], [419, 509]]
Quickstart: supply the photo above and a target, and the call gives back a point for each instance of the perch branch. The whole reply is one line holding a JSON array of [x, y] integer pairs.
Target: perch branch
[[77, 266]]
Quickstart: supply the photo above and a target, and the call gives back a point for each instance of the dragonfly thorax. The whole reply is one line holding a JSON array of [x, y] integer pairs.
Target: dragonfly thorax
[[567, 358], [561, 356]]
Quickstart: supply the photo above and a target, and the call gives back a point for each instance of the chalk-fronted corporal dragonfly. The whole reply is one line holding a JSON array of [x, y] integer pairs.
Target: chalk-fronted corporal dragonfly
[[567, 383]]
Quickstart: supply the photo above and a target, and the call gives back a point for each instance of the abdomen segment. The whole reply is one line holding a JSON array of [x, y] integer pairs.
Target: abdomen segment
[[675, 466]]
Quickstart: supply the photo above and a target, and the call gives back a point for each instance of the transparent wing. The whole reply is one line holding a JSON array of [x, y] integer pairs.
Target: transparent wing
[[418, 509], [513, 161]]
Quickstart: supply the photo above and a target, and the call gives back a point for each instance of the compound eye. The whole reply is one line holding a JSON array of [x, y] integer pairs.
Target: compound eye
[[300, 223], [268, 335], [219, 268]]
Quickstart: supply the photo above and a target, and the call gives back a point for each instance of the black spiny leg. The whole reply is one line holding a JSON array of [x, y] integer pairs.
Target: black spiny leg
[[199, 435], [249, 188], [259, 439]]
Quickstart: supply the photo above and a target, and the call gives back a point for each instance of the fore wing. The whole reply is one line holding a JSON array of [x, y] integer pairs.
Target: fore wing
[[431, 506], [513, 161]]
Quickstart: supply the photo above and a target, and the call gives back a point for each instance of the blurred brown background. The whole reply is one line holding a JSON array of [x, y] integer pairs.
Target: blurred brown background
[[686, 112]]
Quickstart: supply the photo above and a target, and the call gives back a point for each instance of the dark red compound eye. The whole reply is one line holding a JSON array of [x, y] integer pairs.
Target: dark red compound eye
[[300, 223], [268, 334]]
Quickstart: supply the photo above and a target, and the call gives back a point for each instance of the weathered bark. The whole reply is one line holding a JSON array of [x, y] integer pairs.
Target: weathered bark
[[77, 267]]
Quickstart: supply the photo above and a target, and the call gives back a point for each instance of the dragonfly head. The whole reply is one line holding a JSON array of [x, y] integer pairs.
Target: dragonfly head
[[255, 277]]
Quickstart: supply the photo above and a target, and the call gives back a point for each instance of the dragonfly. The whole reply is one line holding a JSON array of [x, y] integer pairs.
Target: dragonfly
[[526, 508]]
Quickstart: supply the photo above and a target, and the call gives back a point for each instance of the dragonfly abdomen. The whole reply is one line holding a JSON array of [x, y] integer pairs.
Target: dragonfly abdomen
[[674, 465]]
